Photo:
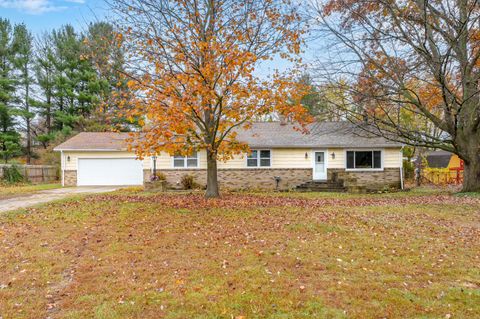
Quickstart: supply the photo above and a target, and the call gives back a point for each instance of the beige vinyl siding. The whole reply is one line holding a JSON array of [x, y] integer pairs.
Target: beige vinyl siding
[[392, 157], [72, 164], [281, 158], [165, 161], [291, 158], [238, 161], [339, 161]]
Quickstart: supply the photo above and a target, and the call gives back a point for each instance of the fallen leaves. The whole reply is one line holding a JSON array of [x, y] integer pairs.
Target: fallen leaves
[[242, 254], [197, 202]]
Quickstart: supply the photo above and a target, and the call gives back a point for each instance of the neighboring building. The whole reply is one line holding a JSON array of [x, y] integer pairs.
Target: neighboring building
[[331, 151], [441, 167], [442, 159]]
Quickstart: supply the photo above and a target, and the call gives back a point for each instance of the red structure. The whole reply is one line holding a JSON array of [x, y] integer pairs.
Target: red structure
[[459, 172]]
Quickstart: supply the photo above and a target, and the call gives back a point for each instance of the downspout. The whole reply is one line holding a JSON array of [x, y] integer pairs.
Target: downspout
[[62, 165], [401, 167]]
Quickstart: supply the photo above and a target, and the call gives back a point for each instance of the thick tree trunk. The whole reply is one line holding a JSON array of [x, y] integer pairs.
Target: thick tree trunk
[[471, 174], [212, 181]]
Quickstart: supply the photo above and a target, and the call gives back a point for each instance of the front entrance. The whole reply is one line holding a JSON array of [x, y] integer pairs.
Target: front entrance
[[319, 165]]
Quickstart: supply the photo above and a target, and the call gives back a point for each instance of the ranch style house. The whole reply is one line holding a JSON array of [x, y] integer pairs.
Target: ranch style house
[[333, 154]]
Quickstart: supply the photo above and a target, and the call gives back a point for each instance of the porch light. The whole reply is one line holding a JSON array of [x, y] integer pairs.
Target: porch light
[[306, 155], [333, 155], [68, 158]]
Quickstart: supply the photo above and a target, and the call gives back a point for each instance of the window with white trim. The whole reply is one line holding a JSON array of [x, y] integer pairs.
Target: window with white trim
[[190, 161], [364, 159], [259, 158]]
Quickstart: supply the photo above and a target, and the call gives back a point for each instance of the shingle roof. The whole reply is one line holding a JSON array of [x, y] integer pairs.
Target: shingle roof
[[321, 134], [261, 134], [105, 141], [438, 159]]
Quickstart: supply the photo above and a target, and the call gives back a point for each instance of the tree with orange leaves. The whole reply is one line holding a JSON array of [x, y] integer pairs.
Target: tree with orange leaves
[[192, 69], [411, 60]]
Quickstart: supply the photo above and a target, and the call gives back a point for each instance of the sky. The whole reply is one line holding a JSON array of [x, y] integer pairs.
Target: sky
[[45, 15]]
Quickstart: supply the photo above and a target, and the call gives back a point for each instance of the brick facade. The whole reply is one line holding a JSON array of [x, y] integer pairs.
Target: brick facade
[[147, 174], [70, 178], [367, 180], [265, 178], [244, 178]]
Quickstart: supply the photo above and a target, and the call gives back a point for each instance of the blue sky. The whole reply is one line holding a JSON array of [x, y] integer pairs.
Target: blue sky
[[45, 15]]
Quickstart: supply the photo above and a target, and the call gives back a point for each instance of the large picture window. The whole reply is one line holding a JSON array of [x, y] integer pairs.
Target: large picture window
[[259, 158], [190, 161], [364, 159]]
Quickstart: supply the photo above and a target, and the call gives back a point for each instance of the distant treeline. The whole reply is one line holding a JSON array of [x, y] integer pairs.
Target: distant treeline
[[55, 84]]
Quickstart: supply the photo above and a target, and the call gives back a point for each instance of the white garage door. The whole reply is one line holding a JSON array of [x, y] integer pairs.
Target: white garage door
[[109, 171]]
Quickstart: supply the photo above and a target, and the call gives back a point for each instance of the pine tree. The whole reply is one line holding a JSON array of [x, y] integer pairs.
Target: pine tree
[[108, 61], [67, 56], [9, 138], [45, 72], [23, 57]]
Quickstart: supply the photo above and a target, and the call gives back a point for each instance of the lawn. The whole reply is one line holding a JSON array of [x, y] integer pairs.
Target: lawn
[[137, 255], [7, 191]]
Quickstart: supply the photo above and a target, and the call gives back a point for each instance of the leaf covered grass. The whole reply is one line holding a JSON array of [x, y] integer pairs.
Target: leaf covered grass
[[139, 255], [7, 191]]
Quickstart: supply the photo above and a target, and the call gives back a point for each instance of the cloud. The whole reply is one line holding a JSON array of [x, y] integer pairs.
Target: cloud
[[35, 6]]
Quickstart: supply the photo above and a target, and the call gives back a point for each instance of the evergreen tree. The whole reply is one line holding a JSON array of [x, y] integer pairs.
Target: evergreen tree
[[23, 57], [67, 58], [45, 72], [108, 60], [9, 138]]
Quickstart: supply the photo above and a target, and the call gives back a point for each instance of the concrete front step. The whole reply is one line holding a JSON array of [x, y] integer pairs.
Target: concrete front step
[[321, 186], [320, 190]]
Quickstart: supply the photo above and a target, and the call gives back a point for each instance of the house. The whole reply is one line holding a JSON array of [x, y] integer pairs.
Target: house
[[282, 157]]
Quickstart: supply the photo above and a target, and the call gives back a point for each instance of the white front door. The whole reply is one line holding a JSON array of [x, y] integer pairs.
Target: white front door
[[319, 165], [109, 171]]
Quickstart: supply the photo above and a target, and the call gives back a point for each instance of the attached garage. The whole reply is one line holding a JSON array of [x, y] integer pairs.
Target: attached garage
[[101, 159], [109, 171]]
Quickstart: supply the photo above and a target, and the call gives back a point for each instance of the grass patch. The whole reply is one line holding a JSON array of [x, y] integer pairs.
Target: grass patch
[[7, 191], [266, 255], [312, 227]]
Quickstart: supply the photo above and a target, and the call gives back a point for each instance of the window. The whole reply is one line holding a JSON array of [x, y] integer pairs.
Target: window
[[364, 159], [190, 161], [259, 158]]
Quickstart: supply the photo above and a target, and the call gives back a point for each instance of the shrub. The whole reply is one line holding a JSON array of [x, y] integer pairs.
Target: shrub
[[159, 176], [409, 169], [12, 175], [188, 181]]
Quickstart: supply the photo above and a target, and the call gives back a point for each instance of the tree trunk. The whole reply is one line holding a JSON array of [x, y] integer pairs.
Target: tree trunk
[[212, 181], [29, 141], [48, 114], [471, 174], [27, 109]]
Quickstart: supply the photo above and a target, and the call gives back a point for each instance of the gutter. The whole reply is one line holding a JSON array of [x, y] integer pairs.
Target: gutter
[[62, 164], [89, 150], [401, 168]]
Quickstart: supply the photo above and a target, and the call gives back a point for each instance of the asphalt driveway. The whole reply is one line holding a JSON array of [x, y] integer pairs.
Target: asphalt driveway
[[50, 195]]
